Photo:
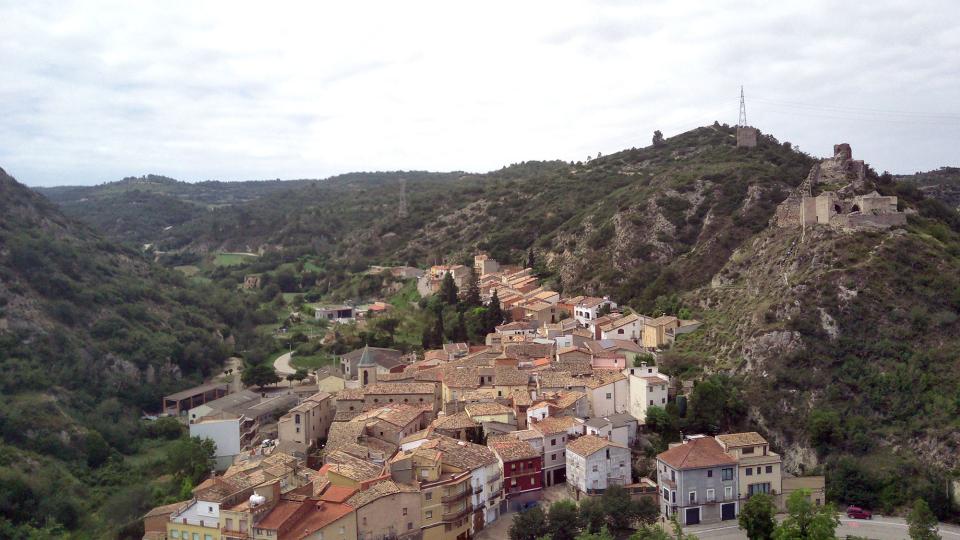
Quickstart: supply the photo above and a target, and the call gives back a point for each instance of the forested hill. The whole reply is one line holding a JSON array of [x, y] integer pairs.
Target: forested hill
[[139, 209], [637, 224], [942, 184], [91, 334]]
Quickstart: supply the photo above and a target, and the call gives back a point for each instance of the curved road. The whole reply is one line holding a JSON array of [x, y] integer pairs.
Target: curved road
[[879, 528], [282, 364]]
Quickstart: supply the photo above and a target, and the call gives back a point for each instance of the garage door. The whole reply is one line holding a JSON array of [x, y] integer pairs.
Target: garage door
[[728, 511], [693, 516]]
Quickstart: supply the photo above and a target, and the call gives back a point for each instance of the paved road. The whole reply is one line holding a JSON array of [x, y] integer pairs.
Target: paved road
[[282, 364], [879, 528]]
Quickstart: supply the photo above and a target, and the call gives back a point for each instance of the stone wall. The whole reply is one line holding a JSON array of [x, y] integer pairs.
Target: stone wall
[[747, 136]]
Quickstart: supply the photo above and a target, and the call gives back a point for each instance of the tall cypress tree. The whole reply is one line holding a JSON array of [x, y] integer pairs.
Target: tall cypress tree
[[448, 290], [472, 297], [494, 313]]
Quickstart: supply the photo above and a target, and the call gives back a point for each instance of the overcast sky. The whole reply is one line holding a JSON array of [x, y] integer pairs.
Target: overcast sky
[[94, 91]]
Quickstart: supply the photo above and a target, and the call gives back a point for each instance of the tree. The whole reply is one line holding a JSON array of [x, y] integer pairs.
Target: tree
[[922, 522], [658, 139], [659, 420], [651, 532], [259, 375], [716, 403], [96, 448], [756, 517], [647, 510], [460, 330], [298, 376], [471, 297], [644, 358], [494, 313], [448, 290], [602, 534], [805, 521], [619, 508], [592, 516], [529, 525], [564, 521], [190, 459]]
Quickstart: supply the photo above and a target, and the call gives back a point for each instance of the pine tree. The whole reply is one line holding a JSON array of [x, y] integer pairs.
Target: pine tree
[[923, 524], [448, 290], [460, 331], [437, 337], [471, 298], [494, 313]]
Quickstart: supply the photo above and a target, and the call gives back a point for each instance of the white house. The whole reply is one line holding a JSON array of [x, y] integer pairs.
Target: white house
[[628, 327], [340, 314], [589, 308], [224, 430], [620, 428], [608, 393], [594, 464], [648, 388]]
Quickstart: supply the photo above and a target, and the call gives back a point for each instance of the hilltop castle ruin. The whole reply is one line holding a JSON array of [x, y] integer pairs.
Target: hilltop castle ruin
[[840, 177]]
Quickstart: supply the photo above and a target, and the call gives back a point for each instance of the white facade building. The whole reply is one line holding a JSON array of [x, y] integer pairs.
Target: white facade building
[[594, 464], [648, 388]]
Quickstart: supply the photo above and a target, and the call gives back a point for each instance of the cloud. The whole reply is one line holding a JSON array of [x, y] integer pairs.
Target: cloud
[[94, 91]]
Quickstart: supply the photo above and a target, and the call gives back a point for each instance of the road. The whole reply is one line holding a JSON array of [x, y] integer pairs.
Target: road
[[282, 364], [879, 528]]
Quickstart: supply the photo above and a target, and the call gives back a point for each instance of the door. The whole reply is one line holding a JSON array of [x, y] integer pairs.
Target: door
[[728, 511], [693, 516]]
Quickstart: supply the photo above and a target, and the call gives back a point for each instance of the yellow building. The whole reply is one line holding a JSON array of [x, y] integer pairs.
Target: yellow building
[[760, 470]]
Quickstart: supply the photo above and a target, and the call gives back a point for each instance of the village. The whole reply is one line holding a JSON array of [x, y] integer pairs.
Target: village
[[451, 443]]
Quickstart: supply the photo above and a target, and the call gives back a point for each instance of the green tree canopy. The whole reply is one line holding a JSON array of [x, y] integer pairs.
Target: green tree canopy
[[716, 403], [922, 522], [564, 520], [592, 515], [756, 517], [448, 290], [805, 521], [259, 375], [191, 459], [529, 525]]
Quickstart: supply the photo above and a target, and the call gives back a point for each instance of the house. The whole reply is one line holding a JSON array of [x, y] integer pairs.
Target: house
[[624, 347], [387, 509], [608, 361], [455, 350], [522, 467], [620, 428], [594, 464], [296, 517], [563, 403], [308, 422], [628, 327], [607, 393], [483, 265], [181, 402], [698, 482], [352, 401], [334, 313], [457, 425], [659, 332], [518, 328], [230, 432], [491, 412], [554, 432], [648, 388], [815, 485], [540, 311], [760, 470], [155, 521], [589, 308], [385, 360]]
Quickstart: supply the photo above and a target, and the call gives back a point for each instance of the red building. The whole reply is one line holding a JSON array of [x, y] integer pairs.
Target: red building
[[522, 467]]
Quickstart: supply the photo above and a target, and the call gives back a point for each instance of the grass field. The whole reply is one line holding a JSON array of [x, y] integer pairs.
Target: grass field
[[232, 259], [188, 270], [312, 362]]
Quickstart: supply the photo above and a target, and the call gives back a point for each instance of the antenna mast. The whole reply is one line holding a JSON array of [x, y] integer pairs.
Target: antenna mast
[[743, 110]]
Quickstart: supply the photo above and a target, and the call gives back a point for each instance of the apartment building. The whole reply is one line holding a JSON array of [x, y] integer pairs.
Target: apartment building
[[308, 422], [698, 482], [759, 469]]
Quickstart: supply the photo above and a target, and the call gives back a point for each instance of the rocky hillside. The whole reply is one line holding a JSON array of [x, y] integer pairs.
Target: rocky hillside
[[942, 184]]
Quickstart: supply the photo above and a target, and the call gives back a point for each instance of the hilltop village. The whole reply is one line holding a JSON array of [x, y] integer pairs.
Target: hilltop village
[[554, 405]]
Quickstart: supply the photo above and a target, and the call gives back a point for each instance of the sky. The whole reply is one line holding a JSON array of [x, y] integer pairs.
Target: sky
[[93, 91]]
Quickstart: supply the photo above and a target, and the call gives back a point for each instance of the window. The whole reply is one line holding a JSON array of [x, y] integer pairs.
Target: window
[[666, 494], [749, 471], [404, 511], [594, 468], [728, 492], [409, 526], [728, 474], [663, 400], [342, 529], [196, 536], [296, 419], [673, 475], [649, 388], [243, 525], [769, 469], [229, 525], [364, 521], [651, 402], [429, 514], [758, 470], [298, 430], [711, 495], [693, 496], [746, 451], [174, 533], [208, 537], [620, 331], [553, 457], [710, 473], [609, 395]]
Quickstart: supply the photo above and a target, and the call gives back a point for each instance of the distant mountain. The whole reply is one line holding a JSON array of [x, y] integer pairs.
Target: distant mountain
[[140, 209], [942, 184]]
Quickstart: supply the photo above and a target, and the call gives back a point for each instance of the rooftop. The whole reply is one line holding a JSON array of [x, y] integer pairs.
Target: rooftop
[[511, 449], [486, 409], [376, 491], [590, 444], [696, 453], [734, 440], [189, 392], [555, 424], [356, 469]]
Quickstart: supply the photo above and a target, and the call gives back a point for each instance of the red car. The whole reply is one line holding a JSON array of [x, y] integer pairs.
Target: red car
[[855, 512]]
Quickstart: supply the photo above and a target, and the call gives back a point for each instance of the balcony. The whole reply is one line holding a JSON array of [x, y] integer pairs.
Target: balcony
[[478, 490], [494, 478], [452, 497], [454, 515]]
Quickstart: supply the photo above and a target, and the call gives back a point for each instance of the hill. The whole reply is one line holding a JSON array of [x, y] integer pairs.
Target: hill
[[942, 184], [139, 209], [91, 334]]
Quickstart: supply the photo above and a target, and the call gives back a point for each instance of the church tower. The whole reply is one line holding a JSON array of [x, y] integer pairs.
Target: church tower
[[367, 368]]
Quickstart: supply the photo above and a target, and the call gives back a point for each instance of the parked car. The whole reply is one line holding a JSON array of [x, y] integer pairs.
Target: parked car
[[855, 512]]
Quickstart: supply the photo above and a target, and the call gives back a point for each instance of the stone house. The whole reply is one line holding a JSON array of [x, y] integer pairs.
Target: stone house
[[607, 393], [620, 428], [628, 327], [594, 464], [308, 422], [698, 482], [588, 308], [387, 509]]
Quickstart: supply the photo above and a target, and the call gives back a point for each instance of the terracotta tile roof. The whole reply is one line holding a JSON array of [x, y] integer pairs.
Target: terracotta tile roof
[[386, 358], [527, 349], [555, 424], [337, 494], [376, 491], [510, 376], [660, 321], [398, 414], [317, 518], [517, 325], [589, 444], [479, 395], [574, 366], [279, 514], [603, 378], [166, 509], [521, 397], [462, 455], [486, 409], [695, 454], [511, 449], [460, 420], [559, 379], [541, 362], [732, 440], [354, 468], [350, 394], [343, 433], [567, 398], [461, 377], [590, 301]]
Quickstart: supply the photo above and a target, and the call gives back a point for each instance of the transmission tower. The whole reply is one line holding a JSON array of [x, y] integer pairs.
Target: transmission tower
[[743, 110], [403, 198]]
